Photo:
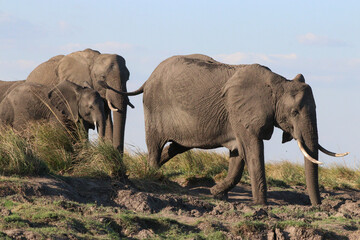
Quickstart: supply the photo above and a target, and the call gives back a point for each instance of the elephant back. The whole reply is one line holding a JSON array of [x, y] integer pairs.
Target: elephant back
[[46, 73], [7, 86]]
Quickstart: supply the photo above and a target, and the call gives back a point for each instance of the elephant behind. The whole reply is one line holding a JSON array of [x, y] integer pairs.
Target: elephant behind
[[64, 104], [92, 66], [7, 86], [194, 101]]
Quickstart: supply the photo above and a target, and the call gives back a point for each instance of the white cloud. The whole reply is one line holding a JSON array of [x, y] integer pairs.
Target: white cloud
[[313, 39], [243, 58]]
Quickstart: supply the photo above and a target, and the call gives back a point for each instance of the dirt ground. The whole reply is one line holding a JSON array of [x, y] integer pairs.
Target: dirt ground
[[288, 214]]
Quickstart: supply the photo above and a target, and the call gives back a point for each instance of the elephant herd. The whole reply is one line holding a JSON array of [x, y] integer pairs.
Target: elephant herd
[[190, 101]]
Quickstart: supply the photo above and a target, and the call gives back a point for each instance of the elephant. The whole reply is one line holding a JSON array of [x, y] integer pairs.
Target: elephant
[[94, 67], [64, 104], [7, 86], [193, 101]]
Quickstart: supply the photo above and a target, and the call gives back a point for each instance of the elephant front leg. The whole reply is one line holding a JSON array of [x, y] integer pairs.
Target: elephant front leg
[[236, 168], [254, 152]]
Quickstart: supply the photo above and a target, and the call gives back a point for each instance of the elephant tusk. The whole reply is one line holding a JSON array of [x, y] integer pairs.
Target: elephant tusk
[[308, 157], [95, 125], [111, 107], [331, 153]]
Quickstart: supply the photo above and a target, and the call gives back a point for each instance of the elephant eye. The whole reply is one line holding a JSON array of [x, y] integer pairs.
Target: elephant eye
[[294, 113]]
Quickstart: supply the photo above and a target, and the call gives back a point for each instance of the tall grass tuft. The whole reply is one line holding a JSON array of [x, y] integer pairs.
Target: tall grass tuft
[[101, 160], [199, 164], [17, 156], [287, 172], [138, 167], [54, 145], [45, 148]]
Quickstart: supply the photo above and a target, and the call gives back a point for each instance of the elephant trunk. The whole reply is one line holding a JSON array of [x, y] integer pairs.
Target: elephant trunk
[[309, 140], [101, 129], [119, 109]]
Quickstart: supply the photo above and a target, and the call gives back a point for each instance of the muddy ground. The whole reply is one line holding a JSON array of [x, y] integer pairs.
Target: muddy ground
[[287, 216]]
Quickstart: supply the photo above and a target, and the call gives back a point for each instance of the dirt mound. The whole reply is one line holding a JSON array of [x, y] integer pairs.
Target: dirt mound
[[288, 215]]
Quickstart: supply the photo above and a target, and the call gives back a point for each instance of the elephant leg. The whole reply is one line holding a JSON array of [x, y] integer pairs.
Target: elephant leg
[[171, 151], [155, 146], [255, 161], [108, 125], [236, 168]]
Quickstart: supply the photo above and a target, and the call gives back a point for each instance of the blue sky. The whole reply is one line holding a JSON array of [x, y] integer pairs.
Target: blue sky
[[320, 39]]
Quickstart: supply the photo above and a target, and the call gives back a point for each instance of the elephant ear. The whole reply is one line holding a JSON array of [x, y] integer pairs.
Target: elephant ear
[[65, 97], [249, 100], [75, 67]]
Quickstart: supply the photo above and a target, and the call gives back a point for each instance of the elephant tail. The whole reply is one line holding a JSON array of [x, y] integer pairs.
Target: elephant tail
[[136, 92]]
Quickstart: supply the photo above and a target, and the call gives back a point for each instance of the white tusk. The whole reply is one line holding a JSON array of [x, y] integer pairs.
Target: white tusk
[[331, 153], [111, 107], [308, 157], [95, 125]]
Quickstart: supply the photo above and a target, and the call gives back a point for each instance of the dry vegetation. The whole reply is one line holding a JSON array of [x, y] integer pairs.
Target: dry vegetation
[[52, 153]]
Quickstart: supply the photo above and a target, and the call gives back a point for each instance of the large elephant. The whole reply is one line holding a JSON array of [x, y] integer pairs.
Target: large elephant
[[7, 86], [194, 101], [64, 104], [92, 66]]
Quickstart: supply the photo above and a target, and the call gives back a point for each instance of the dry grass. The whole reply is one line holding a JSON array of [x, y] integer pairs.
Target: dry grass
[[44, 149]]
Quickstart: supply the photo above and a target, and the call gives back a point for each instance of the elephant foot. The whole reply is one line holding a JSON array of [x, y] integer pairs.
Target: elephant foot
[[218, 194]]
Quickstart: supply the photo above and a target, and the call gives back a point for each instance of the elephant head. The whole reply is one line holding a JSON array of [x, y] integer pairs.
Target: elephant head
[[79, 103], [296, 116], [92, 66], [263, 99]]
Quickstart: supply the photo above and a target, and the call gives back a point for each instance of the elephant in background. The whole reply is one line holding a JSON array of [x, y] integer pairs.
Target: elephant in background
[[64, 104], [90, 65], [194, 101], [7, 86]]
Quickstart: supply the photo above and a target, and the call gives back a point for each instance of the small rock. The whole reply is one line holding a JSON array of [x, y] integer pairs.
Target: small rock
[[261, 213], [145, 234], [195, 213]]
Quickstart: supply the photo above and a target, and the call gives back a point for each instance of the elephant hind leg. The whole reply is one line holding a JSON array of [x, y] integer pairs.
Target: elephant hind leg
[[236, 168], [155, 146], [171, 151]]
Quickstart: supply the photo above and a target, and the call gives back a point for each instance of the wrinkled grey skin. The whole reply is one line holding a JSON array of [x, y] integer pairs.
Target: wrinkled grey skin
[[65, 104], [194, 101], [92, 66]]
